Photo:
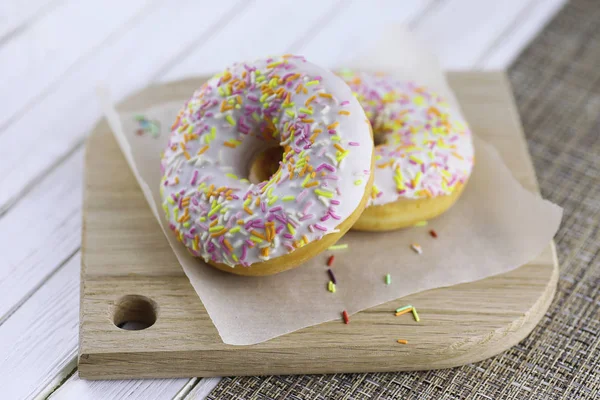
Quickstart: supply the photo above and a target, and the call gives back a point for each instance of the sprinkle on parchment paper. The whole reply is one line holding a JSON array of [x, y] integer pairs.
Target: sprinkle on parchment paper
[[147, 127]]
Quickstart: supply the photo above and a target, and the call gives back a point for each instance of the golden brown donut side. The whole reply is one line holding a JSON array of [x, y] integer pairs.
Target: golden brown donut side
[[405, 213]]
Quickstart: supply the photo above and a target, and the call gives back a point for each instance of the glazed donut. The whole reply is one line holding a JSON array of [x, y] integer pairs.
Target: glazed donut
[[425, 157], [319, 189]]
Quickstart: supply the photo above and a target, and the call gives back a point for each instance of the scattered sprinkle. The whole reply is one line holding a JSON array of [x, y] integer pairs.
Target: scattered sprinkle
[[330, 261], [403, 308], [417, 248], [421, 223], [388, 279], [399, 313], [338, 247], [415, 315], [147, 126], [331, 276], [433, 233], [346, 317], [402, 341], [331, 287]]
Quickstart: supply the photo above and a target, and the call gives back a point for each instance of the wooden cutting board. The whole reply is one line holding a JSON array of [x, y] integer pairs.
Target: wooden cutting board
[[129, 273]]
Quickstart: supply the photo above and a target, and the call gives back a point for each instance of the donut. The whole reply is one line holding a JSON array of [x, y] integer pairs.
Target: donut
[[283, 108], [423, 154]]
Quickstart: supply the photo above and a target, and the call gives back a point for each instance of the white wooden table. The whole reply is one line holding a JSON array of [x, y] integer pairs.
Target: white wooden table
[[52, 55]]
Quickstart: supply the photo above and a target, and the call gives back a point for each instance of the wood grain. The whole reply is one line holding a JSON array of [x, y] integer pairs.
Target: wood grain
[[124, 252]]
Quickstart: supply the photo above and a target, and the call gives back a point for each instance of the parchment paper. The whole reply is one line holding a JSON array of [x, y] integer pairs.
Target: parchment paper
[[495, 227]]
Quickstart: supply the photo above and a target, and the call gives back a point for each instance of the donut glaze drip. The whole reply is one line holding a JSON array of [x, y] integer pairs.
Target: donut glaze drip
[[282, 101], [426, 148]]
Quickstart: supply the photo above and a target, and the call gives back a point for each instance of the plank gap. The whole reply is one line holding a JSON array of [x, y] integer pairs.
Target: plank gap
[[28, 295]]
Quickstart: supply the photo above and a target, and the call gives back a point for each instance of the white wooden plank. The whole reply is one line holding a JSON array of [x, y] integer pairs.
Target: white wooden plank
[[203, 389], [38, 343], [522, 31], [35, 60], [56, 124], [14, 14], [355, 28], [40, 232], [266, 28], [165, 50], [460, 31], [139, 389]]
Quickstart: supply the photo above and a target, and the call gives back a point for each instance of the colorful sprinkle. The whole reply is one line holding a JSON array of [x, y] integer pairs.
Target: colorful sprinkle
[[416, 248], [331, 276], [230, 119], [324, 193], [331, 286], [433, 233], [399, 313], [402, 341], [403, 308], [147, 126], [415, 315], [330, 261], [338, 247], [388, 279], [345, 317]]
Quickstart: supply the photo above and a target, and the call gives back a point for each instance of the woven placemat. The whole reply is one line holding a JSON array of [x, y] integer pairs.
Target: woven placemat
[[556, 82]]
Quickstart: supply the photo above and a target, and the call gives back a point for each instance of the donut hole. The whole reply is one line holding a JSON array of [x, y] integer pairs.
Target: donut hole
[[264, 164], [378, 139]]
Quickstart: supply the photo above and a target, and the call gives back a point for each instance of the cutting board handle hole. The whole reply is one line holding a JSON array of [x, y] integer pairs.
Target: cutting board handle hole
[[134, 313]]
